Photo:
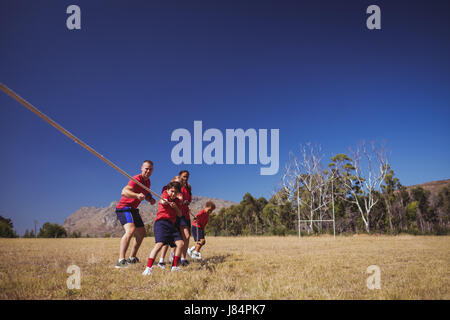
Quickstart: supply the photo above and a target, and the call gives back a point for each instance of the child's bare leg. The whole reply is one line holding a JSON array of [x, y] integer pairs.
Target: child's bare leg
[[200, 244], [164, 251], [179, 246], [155, 250], [186, 236], [152, 257]]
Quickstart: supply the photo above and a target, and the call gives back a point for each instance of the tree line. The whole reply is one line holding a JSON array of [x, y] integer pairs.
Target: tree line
[[353, 193], [48, 230], [359, 192], [415, 211]]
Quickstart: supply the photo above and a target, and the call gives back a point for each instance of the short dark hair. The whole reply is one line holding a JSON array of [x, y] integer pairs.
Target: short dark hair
[[210, 204], [148, 161], [174, 184], [183, 171]]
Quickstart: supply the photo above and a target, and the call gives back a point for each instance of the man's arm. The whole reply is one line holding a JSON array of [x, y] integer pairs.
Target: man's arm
[[128, 192]]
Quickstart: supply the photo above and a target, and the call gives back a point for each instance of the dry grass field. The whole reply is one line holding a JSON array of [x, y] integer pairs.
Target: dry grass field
[[412, 267]]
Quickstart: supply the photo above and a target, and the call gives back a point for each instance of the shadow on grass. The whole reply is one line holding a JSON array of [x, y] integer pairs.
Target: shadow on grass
[[210, 263]]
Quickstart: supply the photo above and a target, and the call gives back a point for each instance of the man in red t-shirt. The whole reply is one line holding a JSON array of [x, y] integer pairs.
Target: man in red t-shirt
[[128, 214]]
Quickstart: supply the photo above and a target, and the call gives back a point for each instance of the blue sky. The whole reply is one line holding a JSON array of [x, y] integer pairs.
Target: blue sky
[[137, 70]]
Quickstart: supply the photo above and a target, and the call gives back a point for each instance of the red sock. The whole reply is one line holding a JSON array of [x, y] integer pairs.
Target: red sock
[[175, 261], [150, 262]]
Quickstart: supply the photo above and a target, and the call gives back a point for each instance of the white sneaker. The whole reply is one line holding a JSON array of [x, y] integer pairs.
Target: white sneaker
[[147, 271], [196, 255], [175, 269], [189, 251], [171, 257]]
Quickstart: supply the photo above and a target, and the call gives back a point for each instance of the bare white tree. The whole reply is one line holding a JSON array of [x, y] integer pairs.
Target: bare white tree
[[370, 167], [306, 173]]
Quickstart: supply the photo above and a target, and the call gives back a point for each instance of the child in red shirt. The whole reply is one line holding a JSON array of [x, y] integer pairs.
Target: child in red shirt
[[184, 222], [164, 249], [198, 229], [164, 227]]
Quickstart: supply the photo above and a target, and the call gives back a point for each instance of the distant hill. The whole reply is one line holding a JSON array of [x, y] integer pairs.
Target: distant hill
[[98, 221], [434, 186]]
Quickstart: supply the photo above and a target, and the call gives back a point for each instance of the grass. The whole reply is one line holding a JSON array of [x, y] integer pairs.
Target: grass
[[412, 267]]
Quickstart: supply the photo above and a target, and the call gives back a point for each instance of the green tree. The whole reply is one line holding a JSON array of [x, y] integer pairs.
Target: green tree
[[425, 216], [52, 230], [75, 234], [369, 168], [217, 224], [443, 210], [444, 199], [273, 215], [6, 228], [390, 190]]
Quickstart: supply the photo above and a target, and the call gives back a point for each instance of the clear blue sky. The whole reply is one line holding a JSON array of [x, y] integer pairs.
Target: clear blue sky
[[137, 70]]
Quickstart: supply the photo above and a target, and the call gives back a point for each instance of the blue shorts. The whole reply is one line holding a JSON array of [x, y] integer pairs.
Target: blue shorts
[[183, 222], [166, 232], [201, 233], [129, 215]]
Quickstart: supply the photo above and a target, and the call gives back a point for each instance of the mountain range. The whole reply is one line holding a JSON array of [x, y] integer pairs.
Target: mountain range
[[97, 222]]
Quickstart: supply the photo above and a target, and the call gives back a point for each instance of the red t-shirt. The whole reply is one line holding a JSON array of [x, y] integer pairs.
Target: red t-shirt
[[202, 219], [130, 202], [166, 211], [186, 197]]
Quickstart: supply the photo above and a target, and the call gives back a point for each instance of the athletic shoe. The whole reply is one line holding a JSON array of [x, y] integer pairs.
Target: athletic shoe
[[162, 265], [189, 252], [122, 264], [133, 260], [196, 255], [175, 269], [147, 271], [184, 263], [171, 257]]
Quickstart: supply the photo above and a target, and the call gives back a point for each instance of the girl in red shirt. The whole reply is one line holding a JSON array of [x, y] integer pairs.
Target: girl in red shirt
[[185, 220]]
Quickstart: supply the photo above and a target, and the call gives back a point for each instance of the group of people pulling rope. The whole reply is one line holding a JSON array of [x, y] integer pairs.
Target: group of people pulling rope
[[172, 226]]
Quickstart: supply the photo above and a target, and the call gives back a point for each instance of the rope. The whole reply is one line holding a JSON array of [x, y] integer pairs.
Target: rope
[[30, 107]]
